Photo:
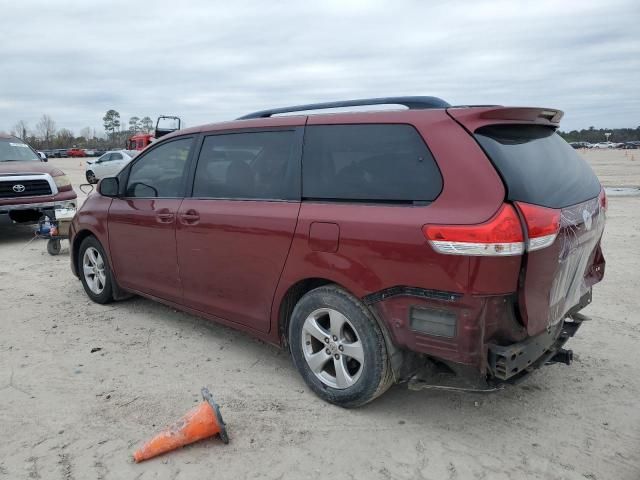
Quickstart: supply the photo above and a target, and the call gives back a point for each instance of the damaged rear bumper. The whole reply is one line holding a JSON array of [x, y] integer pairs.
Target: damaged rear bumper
[[505, 364], [510, 364]]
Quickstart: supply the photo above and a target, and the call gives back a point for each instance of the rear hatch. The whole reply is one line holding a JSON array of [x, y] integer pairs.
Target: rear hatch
[[560, 203]]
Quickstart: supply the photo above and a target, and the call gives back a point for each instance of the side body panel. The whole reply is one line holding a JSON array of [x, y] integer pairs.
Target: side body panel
[[142, 241], [231, 258], [92, 217], [382, 246]]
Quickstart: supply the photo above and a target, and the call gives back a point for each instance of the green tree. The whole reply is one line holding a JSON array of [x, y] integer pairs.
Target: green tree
[[146, 125], [111, 122], [134, 125]]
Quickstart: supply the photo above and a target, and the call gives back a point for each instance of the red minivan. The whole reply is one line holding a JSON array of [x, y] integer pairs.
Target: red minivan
[[436, 245]]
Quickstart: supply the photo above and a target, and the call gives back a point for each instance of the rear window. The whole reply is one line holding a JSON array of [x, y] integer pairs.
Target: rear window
[[538, 166], [368, 163]]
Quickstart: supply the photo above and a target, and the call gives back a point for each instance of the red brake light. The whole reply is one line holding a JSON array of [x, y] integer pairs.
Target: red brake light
[[501, 235], [543, 224], [602, 198]]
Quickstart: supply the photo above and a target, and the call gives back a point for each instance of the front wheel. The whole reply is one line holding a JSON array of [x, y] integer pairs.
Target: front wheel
[[338, 347], [91, 177], [95, 272]]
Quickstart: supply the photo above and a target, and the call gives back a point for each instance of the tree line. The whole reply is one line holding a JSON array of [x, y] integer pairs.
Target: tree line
[[45, 134], [596, 135]]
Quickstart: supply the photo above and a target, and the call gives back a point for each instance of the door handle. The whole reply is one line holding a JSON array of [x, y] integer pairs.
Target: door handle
[[190, 217], [165, 216]]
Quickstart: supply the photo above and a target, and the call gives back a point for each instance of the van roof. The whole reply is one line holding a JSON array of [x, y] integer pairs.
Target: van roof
[[412, 103]]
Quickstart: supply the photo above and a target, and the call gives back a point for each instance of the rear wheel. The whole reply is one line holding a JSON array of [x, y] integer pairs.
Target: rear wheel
[[95, 272], [338, 348]]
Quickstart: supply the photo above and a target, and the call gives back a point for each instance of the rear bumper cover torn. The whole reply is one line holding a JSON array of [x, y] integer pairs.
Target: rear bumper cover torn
[[513, 362]]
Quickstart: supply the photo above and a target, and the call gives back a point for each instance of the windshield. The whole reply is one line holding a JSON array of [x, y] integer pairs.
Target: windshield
[[13, 150]]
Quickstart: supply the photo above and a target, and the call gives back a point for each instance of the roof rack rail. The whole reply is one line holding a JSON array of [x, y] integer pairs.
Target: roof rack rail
[[412, 103]]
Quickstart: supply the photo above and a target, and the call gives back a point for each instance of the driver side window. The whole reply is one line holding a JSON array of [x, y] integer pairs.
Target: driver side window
[[160, 172]]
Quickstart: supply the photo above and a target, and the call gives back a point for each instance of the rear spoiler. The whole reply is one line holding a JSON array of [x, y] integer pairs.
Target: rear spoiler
[[473, 118]]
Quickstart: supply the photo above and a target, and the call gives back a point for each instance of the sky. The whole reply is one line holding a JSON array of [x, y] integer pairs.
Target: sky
[[209, 61]]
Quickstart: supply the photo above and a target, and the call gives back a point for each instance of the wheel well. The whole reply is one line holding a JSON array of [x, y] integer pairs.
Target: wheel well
[[289, 301], [299, 289], [77, 241]]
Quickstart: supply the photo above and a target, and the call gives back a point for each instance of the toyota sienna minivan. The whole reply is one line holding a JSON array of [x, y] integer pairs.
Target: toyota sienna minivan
[[435, 245]]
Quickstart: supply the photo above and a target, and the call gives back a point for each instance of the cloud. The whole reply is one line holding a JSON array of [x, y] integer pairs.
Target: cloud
[[208, 61]]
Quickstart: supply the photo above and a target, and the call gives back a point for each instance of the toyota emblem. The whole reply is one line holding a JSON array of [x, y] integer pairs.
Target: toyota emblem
[[19, 188]]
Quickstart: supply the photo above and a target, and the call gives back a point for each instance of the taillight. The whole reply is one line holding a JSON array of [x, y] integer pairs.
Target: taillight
[[543, 225], [602, 199], [500, 236]]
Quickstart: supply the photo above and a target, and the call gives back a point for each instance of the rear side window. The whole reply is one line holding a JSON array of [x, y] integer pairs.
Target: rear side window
[[538, 166], [256, 165], [368, 163]]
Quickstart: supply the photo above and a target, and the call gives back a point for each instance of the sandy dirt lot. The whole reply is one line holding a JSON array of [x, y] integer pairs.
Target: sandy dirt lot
[[67, 413]]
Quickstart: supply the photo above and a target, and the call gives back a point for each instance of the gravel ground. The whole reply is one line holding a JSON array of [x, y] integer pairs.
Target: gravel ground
[[67, 413]]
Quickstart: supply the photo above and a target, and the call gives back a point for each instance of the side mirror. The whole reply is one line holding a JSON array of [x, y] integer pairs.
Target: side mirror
[[43, 157], [108, 187]]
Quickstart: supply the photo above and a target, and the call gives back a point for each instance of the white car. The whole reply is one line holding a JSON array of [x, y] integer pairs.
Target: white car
[[108, 164], [604, 145]]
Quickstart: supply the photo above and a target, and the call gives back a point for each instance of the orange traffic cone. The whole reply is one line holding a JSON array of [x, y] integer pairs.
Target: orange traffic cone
[[201, 422]]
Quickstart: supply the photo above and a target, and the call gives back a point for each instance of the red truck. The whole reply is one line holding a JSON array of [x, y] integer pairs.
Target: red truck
[[28, 185], [140, 141]]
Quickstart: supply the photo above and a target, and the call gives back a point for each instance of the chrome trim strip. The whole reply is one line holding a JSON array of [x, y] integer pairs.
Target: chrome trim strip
[[29, 206]]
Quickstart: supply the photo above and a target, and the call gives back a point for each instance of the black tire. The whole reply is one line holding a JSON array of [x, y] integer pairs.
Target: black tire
[[374, 378], [106, 294], [53, 246], [91, 177]]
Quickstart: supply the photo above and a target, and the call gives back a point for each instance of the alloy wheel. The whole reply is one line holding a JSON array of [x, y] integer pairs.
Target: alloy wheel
[[93, 268], [332, 348]]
